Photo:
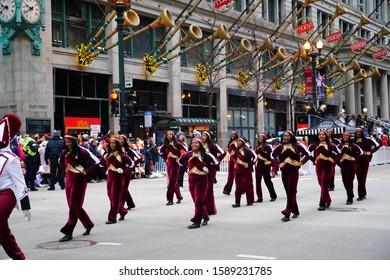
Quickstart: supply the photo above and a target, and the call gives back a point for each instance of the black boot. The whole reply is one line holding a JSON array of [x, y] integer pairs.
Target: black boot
[[67, 237], [194, 225]]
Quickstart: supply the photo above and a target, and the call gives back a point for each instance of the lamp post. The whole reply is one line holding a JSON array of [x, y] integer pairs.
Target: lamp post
[[120, 6], [314, 52]]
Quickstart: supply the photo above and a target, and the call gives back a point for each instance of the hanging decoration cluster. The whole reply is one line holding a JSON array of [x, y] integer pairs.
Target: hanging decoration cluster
[[277, 84], [243, 78], [329, 91], [149, 64], [302, 88], [201, 72], [83, 57]]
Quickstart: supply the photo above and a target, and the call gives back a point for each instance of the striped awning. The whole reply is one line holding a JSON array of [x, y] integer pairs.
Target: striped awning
[[179, 121], [329, 123], [309, 132]]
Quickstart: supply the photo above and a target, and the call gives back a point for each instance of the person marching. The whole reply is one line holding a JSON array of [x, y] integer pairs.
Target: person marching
[[198, 162], [349, 154], [136, 158], [369, 146], [78, 163], [181, 137], [232, 148], [336, 142], [291, 155], [218, 153], [13, 188], [117, 163], [263, 168], [171, 151], [244, 159], [325, 156]]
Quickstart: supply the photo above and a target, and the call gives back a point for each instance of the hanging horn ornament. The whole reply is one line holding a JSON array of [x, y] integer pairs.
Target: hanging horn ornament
[[304, 5], [339, 69], [374, 73], [330, 60], [292, 77], [362, 74], [244, 47]]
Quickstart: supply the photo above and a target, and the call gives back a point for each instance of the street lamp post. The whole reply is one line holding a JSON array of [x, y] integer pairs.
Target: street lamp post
[[120, 6]]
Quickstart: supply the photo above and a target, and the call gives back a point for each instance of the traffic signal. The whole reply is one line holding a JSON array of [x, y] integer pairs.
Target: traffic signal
[[114, 97], [132, 103]]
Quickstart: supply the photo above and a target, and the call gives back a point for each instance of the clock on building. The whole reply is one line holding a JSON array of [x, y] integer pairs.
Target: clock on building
[[7, 10], [31, 11]]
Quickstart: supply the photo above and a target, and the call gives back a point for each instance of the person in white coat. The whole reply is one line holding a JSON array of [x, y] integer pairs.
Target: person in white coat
[[13, 189]]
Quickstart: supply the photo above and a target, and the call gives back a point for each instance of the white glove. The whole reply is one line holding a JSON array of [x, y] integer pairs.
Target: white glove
[[119, 170], [80, 168], [205, 169], [27, 215]]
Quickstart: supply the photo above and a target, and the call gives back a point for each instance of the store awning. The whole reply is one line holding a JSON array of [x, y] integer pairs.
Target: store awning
[[178, 121], [329, 123]]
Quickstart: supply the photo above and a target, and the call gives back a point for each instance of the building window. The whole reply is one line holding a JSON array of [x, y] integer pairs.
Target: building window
[[237, 5], [362, 6], [243, 64], [348, 2], [364, 33], [345, 27], [195, 104], [241, 116], [377, 9], [306, 13], [201, 54], [272, 10], [73, 20], [322, 19]]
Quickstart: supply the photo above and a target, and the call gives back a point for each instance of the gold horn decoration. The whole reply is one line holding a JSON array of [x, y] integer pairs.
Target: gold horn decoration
[[384, 31], [354, 65], [281, 54], [339, 69], [330, 60], [374, 73], [244, 47], [362, 74], [290, 77]]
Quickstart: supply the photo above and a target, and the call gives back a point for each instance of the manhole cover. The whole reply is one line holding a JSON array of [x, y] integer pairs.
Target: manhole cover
[[73, 244], [345, 209]]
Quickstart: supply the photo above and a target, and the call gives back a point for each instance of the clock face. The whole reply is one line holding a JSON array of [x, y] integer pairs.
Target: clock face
[[31, 10], [7, 10]]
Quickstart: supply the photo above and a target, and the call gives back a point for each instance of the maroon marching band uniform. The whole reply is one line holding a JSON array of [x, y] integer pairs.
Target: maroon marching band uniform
[[232, 148], [349, 153], [171, 155], [245, 158], [368, 146], [117, 165], [218, 153], [263, 170], [336, 142], [325, 156], [76, 186], [198, 169], [290, 157]]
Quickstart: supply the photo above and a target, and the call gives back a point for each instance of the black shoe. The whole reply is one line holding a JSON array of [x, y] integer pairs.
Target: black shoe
[[194, 225], [273, 199], [285, 219], [51, 189], [110, 222], [67, 237], [130, 207], [349, 202], [122, 217], [235, 205], [205, 221], [321, 208], [327, 205], [88, 231], [169, 203], [249, 204], [62, 188], [179, 200], [33, 190], [259, 201], [295, 216], [360, 198], [226, 192]]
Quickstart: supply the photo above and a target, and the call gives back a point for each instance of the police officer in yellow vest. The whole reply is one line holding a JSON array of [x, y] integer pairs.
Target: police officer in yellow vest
[[32, 161]]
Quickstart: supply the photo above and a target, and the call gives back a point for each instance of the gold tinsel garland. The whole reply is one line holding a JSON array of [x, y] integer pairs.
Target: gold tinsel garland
[[329, 91], [149, 64], [84, 57], [277, 84], [302, 88], [201, 72], [243, 78]]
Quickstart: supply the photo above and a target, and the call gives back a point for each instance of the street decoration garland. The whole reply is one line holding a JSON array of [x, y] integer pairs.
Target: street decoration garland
[[83, 57], [201, 72], [243, 78], [149, 64], [302, 88], [277, 84], [329, 91]]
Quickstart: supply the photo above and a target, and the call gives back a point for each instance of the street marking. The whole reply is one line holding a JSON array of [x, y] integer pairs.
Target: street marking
[[109, 243], [256, 257]]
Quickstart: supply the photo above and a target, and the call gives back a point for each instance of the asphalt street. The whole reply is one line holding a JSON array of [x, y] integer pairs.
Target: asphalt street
[[154, 231]]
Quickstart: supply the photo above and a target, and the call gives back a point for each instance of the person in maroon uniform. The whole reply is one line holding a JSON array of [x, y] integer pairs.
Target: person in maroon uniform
[[117, 164], [291, 155], [13, 188], [245, 158], [218, 153], [349, 154], [136, 158], [369, 146], [335, 141], [263, 168], [78, 163], [232, 147], [325, 156], [198, 163], [171, 151]]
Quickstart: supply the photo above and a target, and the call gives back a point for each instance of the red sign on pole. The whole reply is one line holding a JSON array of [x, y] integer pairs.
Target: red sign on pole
[[358, 45], [379, 53], [308, 77], [220, 3], [334, 37], [305, 27]]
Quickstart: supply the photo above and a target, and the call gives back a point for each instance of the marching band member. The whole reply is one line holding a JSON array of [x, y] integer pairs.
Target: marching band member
[[171, 151], [369, 146], [349, 154], [13, 189], [232, 147], [117, 164], [335, 141], [325, 153], [291, 155], [198, 163], [263, 168], [245, 158], [78, 163]]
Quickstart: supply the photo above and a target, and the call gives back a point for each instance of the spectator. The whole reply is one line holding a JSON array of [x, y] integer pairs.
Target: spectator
[[52, 154], [32, 162]]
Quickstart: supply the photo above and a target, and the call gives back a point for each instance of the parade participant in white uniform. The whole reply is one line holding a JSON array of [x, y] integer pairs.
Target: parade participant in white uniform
[[13, 189]]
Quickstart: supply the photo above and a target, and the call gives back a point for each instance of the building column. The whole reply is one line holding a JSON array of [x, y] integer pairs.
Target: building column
[[349, 95], [174, 88], [384, 89], [368, 97], [222, 108]]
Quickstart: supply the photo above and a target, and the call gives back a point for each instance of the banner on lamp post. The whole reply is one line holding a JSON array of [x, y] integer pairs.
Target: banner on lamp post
[[308, 77]]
